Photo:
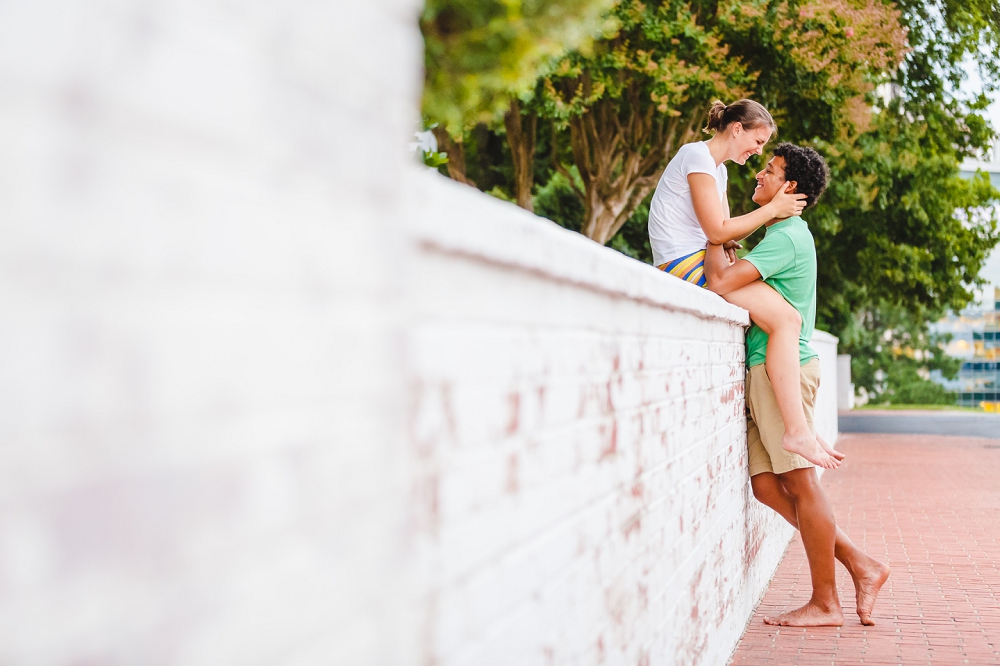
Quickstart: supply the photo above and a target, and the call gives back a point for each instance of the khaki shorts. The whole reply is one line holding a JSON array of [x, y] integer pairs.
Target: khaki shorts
[[765, 426]]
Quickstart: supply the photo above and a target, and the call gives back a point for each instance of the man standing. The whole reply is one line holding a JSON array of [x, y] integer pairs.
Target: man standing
[[786, 260]]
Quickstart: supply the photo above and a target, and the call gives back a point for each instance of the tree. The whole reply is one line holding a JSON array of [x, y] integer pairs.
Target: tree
[[625, 108], [899, 226], [643, 91], [816, 60], [893, 354], [481, 54]]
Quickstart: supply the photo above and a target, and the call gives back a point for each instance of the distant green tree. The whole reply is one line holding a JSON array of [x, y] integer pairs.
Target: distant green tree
[[622, 110], [898, 225], [893, 354]]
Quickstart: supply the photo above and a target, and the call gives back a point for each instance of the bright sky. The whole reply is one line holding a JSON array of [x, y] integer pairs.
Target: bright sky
[[973, 85], [991, 270]]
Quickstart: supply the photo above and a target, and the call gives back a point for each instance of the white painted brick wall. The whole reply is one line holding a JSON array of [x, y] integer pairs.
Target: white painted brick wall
[[577, 419]]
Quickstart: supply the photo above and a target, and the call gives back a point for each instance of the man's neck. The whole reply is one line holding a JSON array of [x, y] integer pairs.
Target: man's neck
[[775, 220]]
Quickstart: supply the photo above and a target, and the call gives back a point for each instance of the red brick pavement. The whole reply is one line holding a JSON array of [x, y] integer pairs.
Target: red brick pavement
[[930, 507]]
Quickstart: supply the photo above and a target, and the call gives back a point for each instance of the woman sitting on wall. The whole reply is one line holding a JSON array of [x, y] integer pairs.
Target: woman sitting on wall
[[690, 209]]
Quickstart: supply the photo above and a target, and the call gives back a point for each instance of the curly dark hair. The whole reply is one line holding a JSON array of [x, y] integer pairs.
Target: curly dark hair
[[806, 167]]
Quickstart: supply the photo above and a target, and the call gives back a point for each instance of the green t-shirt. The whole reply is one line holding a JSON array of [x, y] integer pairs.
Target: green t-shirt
[[786, 259]]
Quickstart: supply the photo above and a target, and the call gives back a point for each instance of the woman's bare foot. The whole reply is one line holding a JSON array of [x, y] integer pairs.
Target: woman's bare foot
[[806, 446], [829, 449], [810, 615], [867, 583]]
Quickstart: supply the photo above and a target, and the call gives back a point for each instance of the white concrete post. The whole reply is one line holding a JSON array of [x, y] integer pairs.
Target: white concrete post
[[845, 388], [825, 413]]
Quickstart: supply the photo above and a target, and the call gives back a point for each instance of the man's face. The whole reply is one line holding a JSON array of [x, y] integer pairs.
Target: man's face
[[769, 181], [750, 142]]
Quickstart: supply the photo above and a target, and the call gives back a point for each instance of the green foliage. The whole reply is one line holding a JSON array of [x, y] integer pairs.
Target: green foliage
[[944, 34], [893, 352], [557, 201], [633, 238], [816, 59], [661, 58], [624, 108], [480, 52], [434, 159], [905, 386], [898, 224]]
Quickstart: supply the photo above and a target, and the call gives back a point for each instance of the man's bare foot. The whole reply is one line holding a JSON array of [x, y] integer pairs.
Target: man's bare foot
[[829, 449], [867, 583], [810, 615], [806, 446]]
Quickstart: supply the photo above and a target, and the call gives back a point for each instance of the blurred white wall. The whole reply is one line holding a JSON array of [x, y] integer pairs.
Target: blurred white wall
[[202, 416]]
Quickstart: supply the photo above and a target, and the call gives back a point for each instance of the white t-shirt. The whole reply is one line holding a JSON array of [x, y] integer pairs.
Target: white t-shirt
[[673, 226]]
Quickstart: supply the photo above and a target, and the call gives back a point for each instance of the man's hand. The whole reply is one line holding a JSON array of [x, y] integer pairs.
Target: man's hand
[[730, 247]]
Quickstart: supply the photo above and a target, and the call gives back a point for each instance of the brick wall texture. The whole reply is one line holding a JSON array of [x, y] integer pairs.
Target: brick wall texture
[[581, 493]]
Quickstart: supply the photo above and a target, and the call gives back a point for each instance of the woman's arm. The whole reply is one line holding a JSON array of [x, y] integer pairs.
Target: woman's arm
[[722, 276], [715, 220]]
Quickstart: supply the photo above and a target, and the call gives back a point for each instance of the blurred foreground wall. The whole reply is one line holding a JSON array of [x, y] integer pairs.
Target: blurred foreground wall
[[201, 402], [272, 394]]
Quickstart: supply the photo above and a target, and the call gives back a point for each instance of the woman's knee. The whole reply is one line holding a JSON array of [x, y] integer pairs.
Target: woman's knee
[[781, 318], [791, 318]]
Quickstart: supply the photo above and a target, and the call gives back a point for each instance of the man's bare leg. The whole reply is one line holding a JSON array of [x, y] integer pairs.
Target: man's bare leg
[[868, 574], [783, 325], [819, 535]]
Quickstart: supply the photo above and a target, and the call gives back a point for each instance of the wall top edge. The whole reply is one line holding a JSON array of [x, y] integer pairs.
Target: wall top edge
[[823, 336], [454, 218]]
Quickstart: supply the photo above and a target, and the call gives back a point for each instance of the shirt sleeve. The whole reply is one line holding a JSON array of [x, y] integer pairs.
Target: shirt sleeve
[[773, 254], [699, 161]]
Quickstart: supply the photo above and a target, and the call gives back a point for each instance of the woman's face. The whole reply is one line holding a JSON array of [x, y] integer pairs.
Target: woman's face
[[749, 141]]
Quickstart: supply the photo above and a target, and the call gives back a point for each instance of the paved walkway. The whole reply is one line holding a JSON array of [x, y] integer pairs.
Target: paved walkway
[[928, 505]]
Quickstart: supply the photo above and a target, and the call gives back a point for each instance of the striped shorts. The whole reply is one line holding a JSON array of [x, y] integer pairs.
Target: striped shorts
[[690, 268]]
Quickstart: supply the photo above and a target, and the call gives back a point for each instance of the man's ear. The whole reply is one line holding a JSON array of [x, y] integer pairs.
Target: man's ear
[[791, 186]]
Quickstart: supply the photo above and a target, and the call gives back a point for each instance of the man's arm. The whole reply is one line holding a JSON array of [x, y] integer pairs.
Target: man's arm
[[724, 277]]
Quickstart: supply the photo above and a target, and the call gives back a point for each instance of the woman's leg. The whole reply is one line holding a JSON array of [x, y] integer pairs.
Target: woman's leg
[[783, 325]]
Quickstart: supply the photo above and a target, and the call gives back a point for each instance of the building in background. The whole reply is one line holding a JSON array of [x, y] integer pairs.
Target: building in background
[[976, 330], [976, 340]]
